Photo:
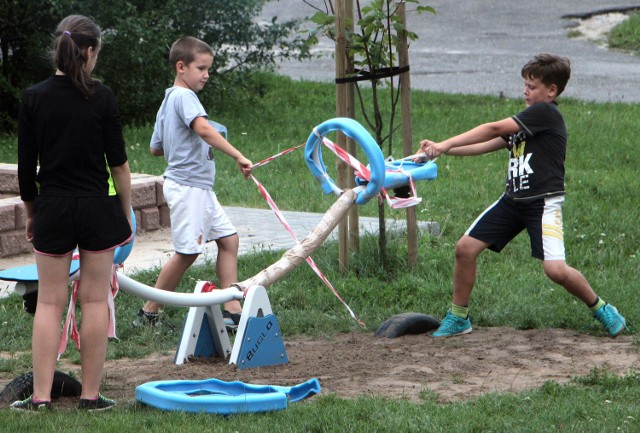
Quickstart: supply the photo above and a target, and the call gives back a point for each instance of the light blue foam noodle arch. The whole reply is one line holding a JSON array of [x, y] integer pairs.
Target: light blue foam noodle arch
[[122, 252], [355, 131]]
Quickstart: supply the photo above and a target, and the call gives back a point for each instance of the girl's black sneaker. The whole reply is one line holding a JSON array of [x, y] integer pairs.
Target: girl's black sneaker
[[28, 405], [100, 403]]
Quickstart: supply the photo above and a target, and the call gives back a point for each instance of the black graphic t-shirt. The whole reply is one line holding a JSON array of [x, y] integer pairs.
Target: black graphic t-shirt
[[537, 153]]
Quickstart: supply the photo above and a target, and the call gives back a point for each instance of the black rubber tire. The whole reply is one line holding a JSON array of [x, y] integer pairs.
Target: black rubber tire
[[22, 387], [407, 323], [30, 300]]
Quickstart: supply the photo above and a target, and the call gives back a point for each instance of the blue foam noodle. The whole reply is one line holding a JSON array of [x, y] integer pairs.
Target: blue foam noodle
[[355, 131], [397, 173]]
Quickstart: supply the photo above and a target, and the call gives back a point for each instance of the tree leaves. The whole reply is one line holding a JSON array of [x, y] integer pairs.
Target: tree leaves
[[137, 35]]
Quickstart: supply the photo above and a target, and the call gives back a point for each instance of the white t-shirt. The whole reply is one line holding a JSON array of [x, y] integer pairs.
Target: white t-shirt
[[190, 159]]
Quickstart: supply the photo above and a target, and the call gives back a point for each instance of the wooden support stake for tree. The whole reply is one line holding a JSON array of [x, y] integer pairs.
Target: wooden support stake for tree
[[348, 229], [407, 133], [352, 147]]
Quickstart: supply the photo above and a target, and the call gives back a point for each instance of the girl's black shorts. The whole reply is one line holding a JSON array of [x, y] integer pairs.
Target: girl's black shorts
[[91, 223]]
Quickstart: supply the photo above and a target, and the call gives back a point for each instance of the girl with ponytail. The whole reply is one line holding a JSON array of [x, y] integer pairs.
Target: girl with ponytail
[[76, 187], [76, 50]]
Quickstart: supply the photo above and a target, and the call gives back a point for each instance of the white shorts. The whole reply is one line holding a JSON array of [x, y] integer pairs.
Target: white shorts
[[196, 217]]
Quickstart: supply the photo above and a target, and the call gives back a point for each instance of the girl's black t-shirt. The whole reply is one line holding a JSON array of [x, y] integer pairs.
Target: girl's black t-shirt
[[73, 139]]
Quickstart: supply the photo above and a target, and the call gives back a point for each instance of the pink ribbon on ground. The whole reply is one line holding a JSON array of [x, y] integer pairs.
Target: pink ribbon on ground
[[70, 324]]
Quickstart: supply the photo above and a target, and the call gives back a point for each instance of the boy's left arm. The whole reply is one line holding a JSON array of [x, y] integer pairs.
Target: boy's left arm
[[213, 138], [478, 137], [478, 148], [155, 147]]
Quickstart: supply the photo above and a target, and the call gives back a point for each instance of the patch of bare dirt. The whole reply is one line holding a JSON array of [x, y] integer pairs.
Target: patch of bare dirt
[[597, 27], [356, 364]]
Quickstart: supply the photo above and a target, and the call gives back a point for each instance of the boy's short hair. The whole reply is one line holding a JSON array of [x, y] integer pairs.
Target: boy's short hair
[[186, 49], [549, 69]]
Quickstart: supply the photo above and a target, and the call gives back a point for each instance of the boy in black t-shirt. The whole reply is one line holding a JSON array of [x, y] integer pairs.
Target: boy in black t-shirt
[[536, 139]]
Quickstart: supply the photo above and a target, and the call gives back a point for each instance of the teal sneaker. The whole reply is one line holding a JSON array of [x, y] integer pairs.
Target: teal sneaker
[[611, 320], [453, 325]]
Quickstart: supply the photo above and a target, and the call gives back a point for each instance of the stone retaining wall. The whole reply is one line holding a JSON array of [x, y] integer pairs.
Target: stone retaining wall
[[148, 203]]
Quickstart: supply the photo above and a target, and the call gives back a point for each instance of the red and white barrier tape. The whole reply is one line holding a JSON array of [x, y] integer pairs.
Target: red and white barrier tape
[[362, 172], [277, 155], [309, 260], [70, 323]]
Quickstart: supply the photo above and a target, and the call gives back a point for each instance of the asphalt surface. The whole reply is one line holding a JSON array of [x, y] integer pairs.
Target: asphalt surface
[[479, 47]]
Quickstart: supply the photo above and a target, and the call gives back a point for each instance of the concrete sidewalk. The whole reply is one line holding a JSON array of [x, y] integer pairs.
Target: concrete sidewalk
[[258, 229]]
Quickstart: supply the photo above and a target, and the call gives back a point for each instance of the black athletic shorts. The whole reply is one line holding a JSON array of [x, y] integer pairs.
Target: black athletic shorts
[[91, 223], [506, 218]]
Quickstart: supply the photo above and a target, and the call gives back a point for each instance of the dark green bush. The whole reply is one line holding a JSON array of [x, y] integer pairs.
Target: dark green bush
[[137, 37]]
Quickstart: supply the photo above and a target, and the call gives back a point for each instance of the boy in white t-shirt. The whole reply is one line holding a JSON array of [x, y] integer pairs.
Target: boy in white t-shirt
[[184, 136]]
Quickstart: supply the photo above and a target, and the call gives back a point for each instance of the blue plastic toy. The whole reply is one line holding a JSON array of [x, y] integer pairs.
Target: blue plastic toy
[[29, 273], [220, 397], [398, 172], [122, 252], [352, 129]]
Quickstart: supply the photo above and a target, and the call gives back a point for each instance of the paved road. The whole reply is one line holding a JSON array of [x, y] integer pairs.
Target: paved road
[[478, 47]]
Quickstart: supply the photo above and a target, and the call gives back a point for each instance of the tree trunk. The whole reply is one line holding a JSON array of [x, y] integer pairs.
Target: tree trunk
[[382, 236]]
